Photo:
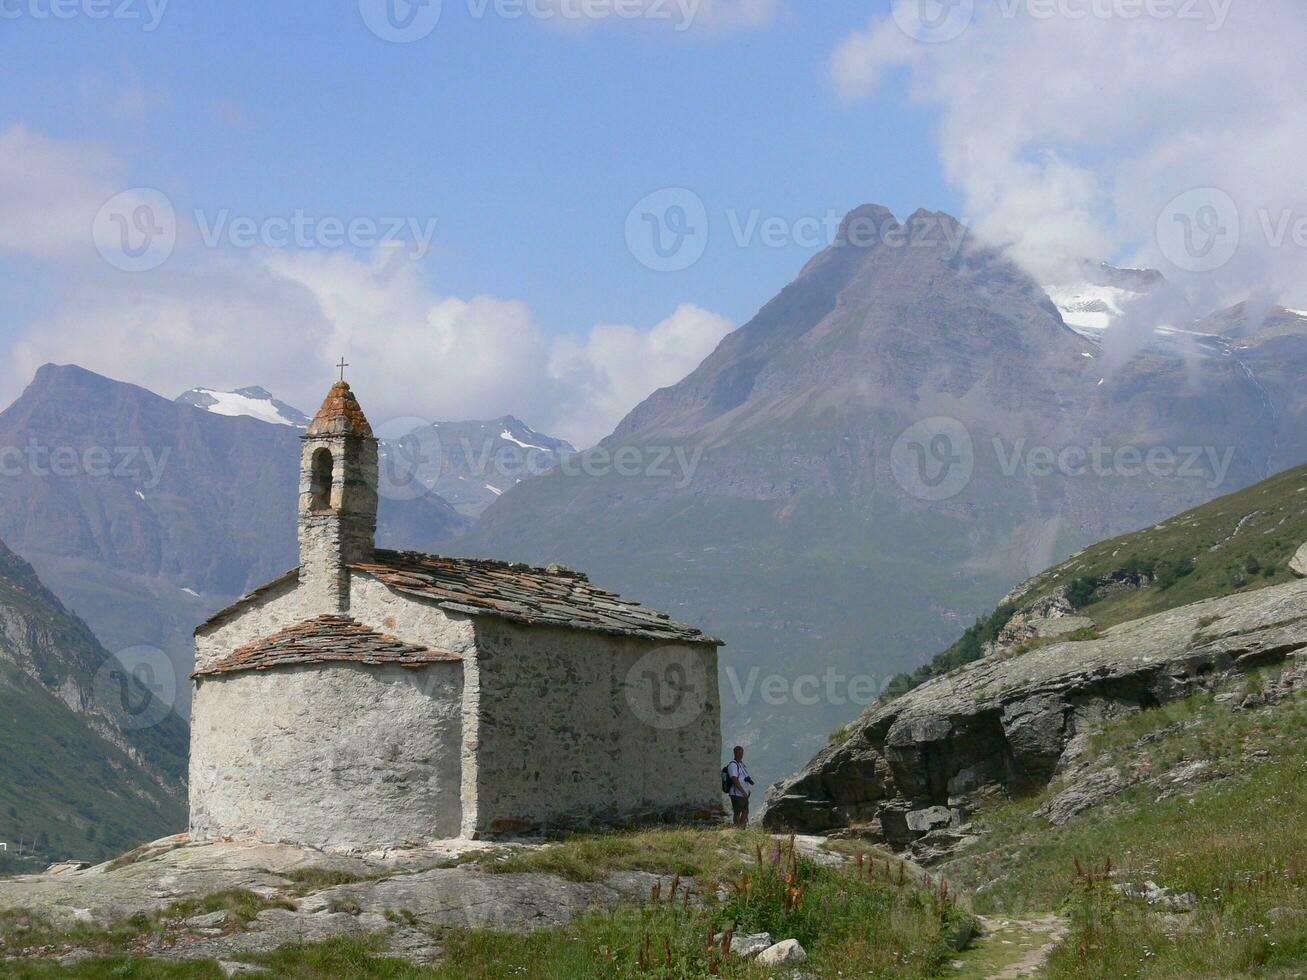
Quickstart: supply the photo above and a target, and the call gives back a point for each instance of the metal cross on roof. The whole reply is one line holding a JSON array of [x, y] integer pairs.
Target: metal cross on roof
[[342, 365]]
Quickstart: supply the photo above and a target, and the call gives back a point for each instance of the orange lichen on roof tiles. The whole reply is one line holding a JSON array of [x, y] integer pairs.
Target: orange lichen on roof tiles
[[340, 415]]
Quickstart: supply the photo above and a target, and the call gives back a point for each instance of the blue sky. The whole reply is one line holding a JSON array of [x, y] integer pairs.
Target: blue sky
[[528, 142], [1088, 133]]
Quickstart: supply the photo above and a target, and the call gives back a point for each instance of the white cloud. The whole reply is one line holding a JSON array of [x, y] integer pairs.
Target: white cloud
[[448, 358], [50, 191], [617, 367], [415, 353], [280, 318], [1070, 133], [171, 330], [282, 321]]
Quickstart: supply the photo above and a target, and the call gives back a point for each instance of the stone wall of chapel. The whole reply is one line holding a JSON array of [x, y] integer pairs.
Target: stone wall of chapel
[[575, 728], [336, 756]]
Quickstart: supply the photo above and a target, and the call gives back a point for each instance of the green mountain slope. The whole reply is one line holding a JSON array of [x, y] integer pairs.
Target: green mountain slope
[[91, 762], [1237, 543], [1234, 544]]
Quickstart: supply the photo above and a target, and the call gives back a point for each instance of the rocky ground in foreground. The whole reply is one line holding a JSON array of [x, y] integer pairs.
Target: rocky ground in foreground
[[309, 895], [674, 902]]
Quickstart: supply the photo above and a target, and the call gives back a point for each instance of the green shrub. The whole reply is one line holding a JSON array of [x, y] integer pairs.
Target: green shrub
[[1080, 592], [1170, 571]]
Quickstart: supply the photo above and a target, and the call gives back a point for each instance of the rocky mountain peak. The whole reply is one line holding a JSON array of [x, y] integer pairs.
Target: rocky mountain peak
[[471, 463], [865, 443], [865, 225], [62, 379]]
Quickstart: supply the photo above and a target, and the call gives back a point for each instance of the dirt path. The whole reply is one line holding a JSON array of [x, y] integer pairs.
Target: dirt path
[[1010, 948]]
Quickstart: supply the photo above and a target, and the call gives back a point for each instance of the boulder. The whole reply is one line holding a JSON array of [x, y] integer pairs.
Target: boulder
[[940, 844], [1030, 623], [1036, 730], [931, 818], [1298, 563], [959, 935], [1080, 792], [465, 898], [746, 947], [1154, 894], [232, 968], [214, 920], [786, 953]]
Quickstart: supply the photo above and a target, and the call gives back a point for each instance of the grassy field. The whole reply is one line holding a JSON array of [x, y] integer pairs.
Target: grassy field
[[686, 852], [1233, 840]]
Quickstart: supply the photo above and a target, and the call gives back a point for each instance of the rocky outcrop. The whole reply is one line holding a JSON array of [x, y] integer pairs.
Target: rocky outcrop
[[1298, 563], [915, 768], [407, 896], [1049, 617]]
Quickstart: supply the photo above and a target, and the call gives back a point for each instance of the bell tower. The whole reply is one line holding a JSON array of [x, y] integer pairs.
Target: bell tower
[[338, 497]]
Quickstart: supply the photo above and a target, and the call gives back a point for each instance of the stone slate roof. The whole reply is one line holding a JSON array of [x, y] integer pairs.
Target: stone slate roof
[[325, 639], [222, 615], [340, 415], [553, 596]]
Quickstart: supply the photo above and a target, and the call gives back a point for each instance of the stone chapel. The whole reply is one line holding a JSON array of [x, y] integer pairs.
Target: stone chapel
[[371, 697]]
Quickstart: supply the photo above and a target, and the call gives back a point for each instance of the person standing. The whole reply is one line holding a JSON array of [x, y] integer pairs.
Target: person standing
[[741, 787]]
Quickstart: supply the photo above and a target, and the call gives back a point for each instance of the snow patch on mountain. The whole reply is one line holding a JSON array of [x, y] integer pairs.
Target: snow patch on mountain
[[253, 402], [1096, 303], [516, 441], [471, 463], [1088, 308]]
